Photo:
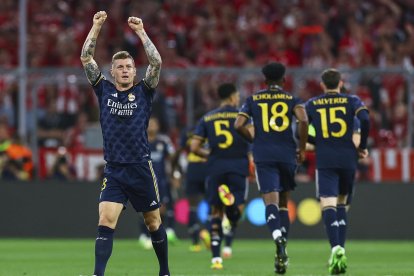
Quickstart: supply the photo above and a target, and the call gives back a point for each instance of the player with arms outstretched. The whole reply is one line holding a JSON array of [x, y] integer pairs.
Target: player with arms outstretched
[[332, 114], [228, 165], [125, 108], [274, 151]]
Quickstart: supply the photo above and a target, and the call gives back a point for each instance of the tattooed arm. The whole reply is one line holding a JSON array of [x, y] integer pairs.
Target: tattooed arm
[[88, 50], [152, 75]]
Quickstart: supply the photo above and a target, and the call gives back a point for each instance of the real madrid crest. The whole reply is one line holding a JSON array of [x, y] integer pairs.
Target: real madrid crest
[[131, 97]]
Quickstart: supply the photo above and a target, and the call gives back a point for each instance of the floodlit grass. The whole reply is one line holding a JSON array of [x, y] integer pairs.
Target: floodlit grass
[[250, 257]]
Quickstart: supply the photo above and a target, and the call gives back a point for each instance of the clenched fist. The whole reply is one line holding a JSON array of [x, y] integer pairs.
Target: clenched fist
[[135, 23], [99, 18]]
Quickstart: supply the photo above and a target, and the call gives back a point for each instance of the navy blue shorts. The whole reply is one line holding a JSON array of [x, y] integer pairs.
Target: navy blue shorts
[[331, 182], [237, 184], [134, 182], [275, 177], [195, 182]]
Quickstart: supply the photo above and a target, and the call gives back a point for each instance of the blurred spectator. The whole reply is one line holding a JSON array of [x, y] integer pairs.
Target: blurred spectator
[[210, 33], [15, 158], [51, 127], [61, 168], [75, 136], [205, 33], [400, 124]]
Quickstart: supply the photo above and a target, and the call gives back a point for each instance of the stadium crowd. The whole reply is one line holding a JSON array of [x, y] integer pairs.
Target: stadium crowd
[[314, 34]]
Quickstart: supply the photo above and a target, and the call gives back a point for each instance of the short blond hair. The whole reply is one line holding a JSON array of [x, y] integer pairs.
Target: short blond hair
[[122, 55]]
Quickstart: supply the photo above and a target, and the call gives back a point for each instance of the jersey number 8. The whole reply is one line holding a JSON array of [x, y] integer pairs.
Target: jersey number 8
[[271, 123]]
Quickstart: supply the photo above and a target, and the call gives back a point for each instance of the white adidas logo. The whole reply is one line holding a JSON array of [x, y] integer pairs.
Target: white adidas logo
[[335, 223], [270, 217], [342, 222], [153, 203], [115, 95]]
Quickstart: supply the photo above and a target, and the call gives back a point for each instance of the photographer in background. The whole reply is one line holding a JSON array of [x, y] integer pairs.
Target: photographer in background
[[62, 169], [15, 158]]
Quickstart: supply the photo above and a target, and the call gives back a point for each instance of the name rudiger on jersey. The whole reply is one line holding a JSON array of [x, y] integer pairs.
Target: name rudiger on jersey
[[120, 109]]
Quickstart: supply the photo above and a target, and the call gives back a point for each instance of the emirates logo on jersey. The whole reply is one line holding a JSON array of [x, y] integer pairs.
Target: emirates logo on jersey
[[131, 97]]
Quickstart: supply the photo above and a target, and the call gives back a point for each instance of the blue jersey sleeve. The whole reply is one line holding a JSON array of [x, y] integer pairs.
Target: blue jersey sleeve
[[357, 104], [98, 86], [201, 129], [357, 125], [308, 110], [246, 109], [150, 92], [297, 101]]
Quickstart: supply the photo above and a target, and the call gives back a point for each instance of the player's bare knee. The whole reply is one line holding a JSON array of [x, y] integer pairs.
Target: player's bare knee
[[342, 199], [271, 198], [107, 221], [152, 223], [328, 201]]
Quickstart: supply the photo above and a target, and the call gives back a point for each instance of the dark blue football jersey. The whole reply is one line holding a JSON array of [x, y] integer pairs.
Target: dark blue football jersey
[[161, 148], [272, 112], [228, 149], [312, 132], [333, 117], [124, 120]]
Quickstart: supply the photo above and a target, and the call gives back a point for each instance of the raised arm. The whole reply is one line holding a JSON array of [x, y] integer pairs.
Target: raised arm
[[152, 75], [88, 50]]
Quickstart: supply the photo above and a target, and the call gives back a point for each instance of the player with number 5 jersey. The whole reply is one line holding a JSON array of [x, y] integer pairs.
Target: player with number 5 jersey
[[227, 165], [274, 150]]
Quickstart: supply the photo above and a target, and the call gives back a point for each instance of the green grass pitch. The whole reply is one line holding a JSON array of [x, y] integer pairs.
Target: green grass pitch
[[250, 257]]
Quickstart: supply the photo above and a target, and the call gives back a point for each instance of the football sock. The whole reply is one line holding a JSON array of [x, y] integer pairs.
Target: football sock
[[342, 221], [273, 220], [284, 222], [103, 249], [331, 224], [160, 244], [216, 234], [233, 214], [229, 236], [194, 226]]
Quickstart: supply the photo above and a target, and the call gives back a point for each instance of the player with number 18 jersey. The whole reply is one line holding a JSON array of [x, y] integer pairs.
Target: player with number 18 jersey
[[274, 150]]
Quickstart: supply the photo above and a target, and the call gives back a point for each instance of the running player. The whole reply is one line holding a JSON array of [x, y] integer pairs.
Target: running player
[[227, 165], [332, 114], [274, 151]]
